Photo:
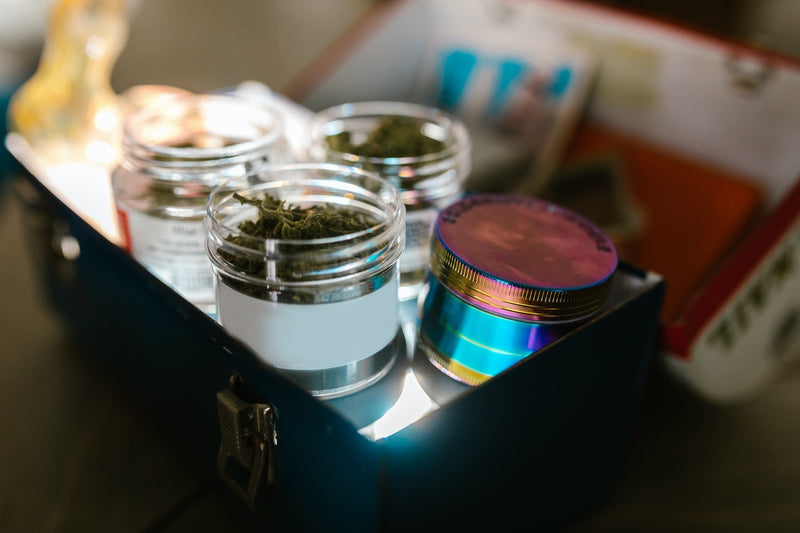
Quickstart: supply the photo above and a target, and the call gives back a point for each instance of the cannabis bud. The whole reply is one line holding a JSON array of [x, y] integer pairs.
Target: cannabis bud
[[277, 220], [395, 136]]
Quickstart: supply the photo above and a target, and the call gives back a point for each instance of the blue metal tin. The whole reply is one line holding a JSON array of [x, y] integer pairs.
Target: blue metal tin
[[537, 467]]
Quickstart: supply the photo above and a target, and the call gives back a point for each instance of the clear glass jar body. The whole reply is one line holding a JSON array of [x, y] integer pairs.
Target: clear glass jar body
[[324, 310], [427, 183], [173, 154]]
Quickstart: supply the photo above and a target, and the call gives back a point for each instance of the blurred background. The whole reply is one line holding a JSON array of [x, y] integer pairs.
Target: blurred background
[[213, 45], [74, 456]]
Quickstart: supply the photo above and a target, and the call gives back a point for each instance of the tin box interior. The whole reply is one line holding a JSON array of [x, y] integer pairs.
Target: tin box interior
[[536, 444]]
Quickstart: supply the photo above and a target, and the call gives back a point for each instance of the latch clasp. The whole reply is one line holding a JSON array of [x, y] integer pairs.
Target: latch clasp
[[246, 459]]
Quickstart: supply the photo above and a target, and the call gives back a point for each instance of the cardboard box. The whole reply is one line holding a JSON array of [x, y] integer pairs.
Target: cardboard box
[[699, 134]]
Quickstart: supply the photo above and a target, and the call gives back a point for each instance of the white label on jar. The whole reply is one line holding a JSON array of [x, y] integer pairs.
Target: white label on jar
[[311, 336], [173, 250], [418, 237]]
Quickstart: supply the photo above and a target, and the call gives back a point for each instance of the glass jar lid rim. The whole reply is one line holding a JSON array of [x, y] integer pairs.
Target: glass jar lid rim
[[225, 191], [177, 107]]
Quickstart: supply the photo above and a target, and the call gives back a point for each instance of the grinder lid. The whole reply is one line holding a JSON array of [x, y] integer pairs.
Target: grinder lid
[[522, 258]]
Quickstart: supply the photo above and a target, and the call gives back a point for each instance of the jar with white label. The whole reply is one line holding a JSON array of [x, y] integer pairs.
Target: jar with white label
[[427, 182], [174, 152], [323, 310]]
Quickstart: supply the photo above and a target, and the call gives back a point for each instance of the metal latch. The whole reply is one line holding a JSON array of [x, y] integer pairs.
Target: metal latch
[[246, 460]]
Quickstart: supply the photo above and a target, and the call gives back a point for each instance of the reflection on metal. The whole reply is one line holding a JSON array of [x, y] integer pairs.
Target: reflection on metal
[[65, 245], [82, 185], [412, 405]]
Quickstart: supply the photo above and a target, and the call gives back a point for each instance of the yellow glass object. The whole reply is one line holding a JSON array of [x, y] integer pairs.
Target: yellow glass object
[[68, 111]]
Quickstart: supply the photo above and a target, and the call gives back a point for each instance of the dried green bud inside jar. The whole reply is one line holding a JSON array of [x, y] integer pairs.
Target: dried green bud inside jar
[[306, 264], [422, 151]]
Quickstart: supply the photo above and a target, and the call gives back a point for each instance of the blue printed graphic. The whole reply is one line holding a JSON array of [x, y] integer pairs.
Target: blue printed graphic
[[511, 73], [561, 78], [456, 70], [460, 69]]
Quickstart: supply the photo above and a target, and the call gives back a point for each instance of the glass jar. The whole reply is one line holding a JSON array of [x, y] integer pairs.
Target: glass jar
[[67, 110], [174, 153], [427, 182], [509, 275], [323, 310]]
